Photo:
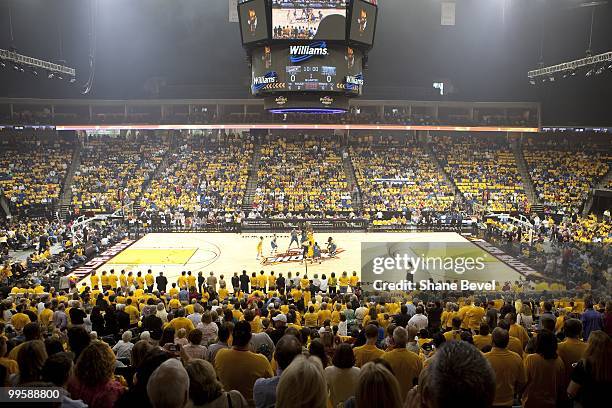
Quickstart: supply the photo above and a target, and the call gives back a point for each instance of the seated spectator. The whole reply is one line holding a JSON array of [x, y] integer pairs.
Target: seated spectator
[[302, 384], [93, 380], [342, 375], [206, 391], [238, 368], [194, 349], [459, 375], [264, 390], [168, 386], [123, 348]]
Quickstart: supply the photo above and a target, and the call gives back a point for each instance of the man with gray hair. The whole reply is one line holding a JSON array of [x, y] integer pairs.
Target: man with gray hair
[[196, 316], [405, 364], [170, 375]]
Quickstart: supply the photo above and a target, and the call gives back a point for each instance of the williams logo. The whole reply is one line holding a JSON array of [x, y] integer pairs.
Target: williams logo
[[354, 80], [299, 53], [281, 100], [260, 82], [326, 100]]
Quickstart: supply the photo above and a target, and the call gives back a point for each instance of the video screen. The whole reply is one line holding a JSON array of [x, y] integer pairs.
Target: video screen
[[363, 22], [253, 21], [309, 20], [279, 69]]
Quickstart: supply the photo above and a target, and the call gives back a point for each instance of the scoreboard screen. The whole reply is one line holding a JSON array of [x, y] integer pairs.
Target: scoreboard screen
[[253, 18], [309, 19], [363, 22], [314, 67]]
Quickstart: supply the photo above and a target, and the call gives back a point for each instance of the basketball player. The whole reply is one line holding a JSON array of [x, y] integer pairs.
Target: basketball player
[[362, 20], [273, 245], [267, 57], [252, 22], [294, 238], [260, 248], [350, 57]]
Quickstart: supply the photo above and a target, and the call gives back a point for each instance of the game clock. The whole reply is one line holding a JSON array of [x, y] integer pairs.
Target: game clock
[[316, 67]]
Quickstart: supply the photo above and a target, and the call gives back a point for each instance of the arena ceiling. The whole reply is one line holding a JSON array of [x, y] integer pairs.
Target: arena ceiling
[[189, 49]]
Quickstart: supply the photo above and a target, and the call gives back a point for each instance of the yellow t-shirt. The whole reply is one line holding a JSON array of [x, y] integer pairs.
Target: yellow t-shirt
[[481, 341], [19, 320], [262, 280], [354, 280], [95, 280], [133, 312], [570, 351], [509, 373], [181, 323], [545, 381], [366, 353], [238, 370], [104, 280], [149, 279], [311, 319], [112, 281], [343, 281], [304, 283], [406, 367]]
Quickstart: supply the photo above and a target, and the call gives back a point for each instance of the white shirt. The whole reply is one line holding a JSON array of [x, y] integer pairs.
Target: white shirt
[[419, 321]]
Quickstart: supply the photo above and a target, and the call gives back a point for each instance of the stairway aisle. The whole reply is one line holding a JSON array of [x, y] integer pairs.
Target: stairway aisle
[[66, 197], [251, 187], [353, 186], [440, 167], [521, 164]]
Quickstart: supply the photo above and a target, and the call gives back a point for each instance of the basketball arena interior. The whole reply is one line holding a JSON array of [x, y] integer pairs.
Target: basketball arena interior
[[305, 203]]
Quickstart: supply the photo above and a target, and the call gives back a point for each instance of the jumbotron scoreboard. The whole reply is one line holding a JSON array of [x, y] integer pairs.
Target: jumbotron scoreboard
[[307, 55]]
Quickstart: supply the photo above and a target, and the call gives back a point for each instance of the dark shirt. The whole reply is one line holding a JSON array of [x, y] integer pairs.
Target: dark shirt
[[162, 282], [77, 315], [123, 320], [592, 393], [244, 283]]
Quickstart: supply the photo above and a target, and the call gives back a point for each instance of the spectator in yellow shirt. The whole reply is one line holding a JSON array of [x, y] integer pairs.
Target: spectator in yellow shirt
[[405, 364], [368, 352]]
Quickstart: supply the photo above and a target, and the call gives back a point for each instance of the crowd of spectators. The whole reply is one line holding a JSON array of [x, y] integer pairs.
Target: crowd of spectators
[[302, 175], [118, 340], [484, 169], [399, 178], [203, 175], [33, 168], [563, 173], [113, 170]]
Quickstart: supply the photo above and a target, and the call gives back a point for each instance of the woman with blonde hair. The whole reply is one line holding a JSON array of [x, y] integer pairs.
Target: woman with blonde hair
[[525, 317], [93, 380], [206, 391], [302, 384], [591, 378], [376, 387]]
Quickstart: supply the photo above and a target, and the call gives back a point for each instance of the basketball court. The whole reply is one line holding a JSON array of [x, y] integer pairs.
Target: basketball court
[[226, 253]]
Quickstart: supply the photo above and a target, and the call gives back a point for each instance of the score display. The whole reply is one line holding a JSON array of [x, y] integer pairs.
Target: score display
[[314, 67]]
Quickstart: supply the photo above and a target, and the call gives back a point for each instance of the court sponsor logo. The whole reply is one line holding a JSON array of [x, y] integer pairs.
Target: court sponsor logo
[[94, 263], [296, 255]]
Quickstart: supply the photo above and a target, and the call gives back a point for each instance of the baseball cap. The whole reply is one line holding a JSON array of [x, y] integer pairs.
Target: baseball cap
[[280, 318]]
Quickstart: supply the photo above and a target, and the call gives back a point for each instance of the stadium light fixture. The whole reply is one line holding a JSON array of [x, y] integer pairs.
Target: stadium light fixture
[[50, 75], [590, 62], [20, 61]]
